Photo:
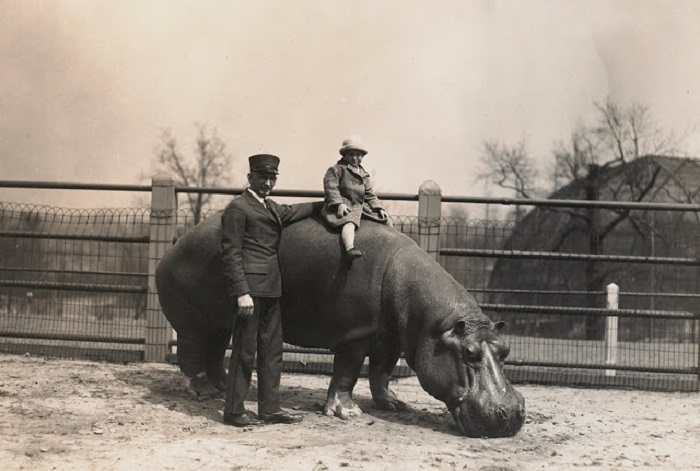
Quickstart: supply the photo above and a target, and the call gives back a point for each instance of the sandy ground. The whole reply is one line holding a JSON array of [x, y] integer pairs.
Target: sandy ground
[[74, 415]]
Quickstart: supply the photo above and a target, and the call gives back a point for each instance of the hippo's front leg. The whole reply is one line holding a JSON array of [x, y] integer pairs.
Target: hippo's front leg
[[347, 364], [382, 360]]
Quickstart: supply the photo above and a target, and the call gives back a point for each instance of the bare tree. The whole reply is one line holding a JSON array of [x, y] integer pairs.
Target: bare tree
[[619, 136], [511, 168], [210, 167], [597, 159]]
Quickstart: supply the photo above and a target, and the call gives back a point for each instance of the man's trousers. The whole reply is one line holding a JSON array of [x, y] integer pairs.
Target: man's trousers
[[261, 332]]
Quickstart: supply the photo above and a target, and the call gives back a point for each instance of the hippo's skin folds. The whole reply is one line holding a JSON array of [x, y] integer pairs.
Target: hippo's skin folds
[[395, 298]]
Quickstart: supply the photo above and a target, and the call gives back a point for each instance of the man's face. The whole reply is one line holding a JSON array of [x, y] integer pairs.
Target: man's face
[[262, 183]]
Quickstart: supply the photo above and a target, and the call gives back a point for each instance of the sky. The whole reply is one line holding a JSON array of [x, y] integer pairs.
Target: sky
[[88, 86]]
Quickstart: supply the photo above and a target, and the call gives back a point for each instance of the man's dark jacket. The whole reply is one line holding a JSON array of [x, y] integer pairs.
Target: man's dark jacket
[[250, 236]]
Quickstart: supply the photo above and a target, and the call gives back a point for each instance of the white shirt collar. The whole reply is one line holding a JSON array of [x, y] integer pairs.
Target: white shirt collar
[[255, 195]]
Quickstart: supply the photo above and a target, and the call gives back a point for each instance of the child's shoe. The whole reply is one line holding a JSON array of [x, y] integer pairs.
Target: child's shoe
[[353, 253]]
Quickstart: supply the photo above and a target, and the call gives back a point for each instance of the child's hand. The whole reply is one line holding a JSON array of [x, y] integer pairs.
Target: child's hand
[[343, 210], [382, 214]]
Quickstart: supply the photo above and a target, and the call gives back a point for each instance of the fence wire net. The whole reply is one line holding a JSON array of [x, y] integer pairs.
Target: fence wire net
[[553, 339], [74, 283]]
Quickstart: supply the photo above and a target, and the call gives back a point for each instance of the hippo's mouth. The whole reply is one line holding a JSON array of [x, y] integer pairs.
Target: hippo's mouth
[[482, 402], [481, 414]]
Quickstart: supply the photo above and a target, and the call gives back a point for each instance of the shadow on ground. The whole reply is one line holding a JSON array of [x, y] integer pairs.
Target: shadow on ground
[[169, 389]]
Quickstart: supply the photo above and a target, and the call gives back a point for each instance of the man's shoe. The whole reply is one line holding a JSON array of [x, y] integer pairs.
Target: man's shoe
[[282, 417], [246, 419], [353, 253]]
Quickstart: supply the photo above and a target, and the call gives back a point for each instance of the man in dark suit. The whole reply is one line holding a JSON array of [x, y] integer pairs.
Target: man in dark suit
[[251, 229]]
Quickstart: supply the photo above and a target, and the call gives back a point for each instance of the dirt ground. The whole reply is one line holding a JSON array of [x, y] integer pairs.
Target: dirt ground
[[75, 415]]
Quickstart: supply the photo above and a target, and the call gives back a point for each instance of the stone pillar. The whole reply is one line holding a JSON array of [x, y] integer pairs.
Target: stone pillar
[[429, 217], [162, 230]]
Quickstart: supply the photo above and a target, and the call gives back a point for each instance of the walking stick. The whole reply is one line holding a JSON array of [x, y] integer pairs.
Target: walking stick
[[234, 362]]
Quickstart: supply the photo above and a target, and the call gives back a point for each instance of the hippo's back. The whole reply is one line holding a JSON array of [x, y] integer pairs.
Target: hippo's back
[[326, 299]]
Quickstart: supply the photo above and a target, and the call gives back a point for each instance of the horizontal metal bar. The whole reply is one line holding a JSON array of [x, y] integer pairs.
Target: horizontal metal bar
[[579, 293], [290, 349], [73, 272], [589, 311], [120, 354], [71, 337], [97, 238], [287, 349], [103, 288], [71, 186], [573, 203], [520, 254], [289, 193], [592, 378], [316, 351], [390, 196], [661, 295], [535, 291], [589, 366], [209, 190]]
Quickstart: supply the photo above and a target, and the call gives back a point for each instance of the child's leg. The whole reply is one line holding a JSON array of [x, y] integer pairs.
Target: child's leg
[[348, 235]]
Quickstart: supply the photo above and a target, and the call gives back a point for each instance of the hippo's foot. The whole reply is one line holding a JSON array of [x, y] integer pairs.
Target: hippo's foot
[[389, 402], [340, 404], [218, 379], [203, 388]]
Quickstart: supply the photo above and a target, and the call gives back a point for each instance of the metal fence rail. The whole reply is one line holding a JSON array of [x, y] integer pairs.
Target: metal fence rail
[[79, 283]]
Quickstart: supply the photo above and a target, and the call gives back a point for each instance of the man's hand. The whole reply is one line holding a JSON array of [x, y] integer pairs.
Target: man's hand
[[343, 210], [245, 306]]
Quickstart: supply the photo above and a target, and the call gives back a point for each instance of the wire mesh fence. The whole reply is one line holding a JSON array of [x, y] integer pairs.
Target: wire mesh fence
[[74, 283], [549, 288]]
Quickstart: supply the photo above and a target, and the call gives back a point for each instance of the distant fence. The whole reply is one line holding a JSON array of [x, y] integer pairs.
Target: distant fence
[[80, 283]]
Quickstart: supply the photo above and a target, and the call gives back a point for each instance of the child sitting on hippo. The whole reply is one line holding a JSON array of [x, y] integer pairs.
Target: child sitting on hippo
[[349, 196]]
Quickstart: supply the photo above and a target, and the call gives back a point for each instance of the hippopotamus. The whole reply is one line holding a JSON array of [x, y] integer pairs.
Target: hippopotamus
[[394, 299]]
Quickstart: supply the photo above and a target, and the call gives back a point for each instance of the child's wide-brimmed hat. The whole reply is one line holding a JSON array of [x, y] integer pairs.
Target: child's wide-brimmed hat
[[353, 143]]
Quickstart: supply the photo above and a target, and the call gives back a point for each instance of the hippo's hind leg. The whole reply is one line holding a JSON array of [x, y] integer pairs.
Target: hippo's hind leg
[[347, 364], [382, 360], [192, 352], [215, 353]]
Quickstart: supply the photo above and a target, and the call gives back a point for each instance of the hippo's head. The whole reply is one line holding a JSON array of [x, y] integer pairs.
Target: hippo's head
[[464, 369]]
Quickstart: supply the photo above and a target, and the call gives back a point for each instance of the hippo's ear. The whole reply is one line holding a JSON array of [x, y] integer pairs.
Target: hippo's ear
[[453, 337], [499, 325]]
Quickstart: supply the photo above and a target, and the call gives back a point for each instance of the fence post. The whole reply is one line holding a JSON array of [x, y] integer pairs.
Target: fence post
[[613, 298], [162, 231], [429, 214]]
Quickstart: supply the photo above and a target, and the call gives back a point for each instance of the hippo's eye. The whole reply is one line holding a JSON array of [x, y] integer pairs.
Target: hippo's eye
[[472, 352]]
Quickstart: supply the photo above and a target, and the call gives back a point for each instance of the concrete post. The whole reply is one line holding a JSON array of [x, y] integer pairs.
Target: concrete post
[[613, 298], [162, 230], [429, 217]]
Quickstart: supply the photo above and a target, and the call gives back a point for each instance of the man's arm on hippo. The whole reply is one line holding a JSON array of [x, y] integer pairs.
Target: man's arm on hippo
[[233, 221], [290, 213]]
